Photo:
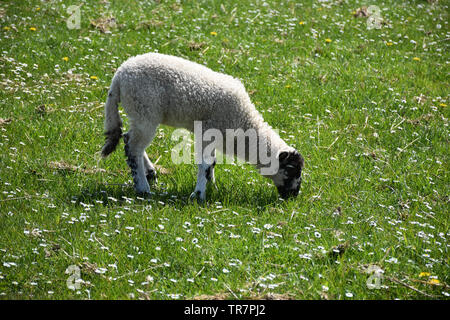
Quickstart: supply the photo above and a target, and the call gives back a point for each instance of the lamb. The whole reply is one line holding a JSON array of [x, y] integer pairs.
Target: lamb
[[158, 89]]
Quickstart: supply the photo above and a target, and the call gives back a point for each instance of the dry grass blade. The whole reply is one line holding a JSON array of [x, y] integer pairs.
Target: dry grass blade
[[276, 296], [361, 12], [217, 296], [88, 267], [104, 24], [148, 24], [162, 170], [392, 279], [64, 166], [195, 46], [428, 283], [4, 121]]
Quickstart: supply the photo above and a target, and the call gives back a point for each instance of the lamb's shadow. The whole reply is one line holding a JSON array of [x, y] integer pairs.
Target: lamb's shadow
[[123, 194]]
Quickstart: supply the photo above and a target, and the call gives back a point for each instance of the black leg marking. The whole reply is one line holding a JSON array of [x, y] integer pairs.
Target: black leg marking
[[208, 171], [151, 175], [131, 160]]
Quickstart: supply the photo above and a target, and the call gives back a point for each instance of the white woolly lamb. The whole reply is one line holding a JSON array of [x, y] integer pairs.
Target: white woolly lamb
[[161, 89]]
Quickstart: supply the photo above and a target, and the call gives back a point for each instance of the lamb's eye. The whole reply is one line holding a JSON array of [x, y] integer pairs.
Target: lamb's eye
[[292, 171]]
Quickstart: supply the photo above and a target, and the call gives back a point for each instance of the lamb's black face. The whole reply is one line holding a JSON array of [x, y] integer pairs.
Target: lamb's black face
[[289, 176]]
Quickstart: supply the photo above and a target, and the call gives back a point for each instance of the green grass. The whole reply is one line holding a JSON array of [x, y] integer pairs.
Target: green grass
[[370, 120]]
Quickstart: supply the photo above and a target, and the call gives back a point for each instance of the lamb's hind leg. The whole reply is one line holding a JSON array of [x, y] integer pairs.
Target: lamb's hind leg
[[136, 140]]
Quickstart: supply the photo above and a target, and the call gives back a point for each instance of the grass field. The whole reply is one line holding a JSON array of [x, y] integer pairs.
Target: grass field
[[367, 108]]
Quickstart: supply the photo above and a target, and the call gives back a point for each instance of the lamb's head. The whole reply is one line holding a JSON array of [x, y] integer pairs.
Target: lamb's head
[[289, 175]]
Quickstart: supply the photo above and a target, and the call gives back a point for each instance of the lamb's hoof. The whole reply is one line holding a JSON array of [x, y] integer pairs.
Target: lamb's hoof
[[142, 190], [143, 194], [198, 195]]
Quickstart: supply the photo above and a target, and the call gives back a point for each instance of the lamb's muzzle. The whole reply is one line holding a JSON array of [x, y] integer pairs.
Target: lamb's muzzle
[[160, 89]]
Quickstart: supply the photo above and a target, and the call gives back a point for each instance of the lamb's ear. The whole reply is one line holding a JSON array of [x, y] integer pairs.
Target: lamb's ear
[[297, 157], [283, 155]]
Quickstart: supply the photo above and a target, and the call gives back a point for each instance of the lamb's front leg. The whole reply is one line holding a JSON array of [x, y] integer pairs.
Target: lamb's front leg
[[205, 174]]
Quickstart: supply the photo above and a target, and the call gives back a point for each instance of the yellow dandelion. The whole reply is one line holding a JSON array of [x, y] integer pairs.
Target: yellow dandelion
[[301, 23], [33, 29], [37, 9], [434, 281], [416, 59], [389, 44], [213, 33], [66, 59], [442, 105], [424, 274], [6, 28], [94, 77], [327, 40], [288, 86]]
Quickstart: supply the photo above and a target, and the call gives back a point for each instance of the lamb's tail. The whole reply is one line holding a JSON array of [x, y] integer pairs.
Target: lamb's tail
[[113, 123]]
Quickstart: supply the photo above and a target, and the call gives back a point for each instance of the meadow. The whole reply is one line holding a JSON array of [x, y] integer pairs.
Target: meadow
[[364, 99]]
